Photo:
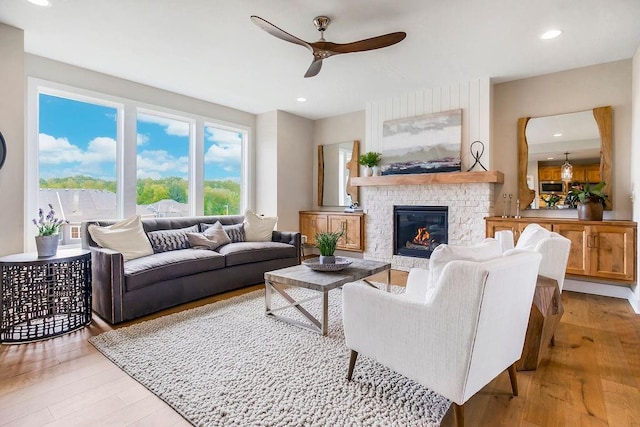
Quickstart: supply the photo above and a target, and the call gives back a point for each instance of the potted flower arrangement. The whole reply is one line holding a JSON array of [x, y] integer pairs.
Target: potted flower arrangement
[[591, 201], [48, 230], [369, 160], [551, 200], [326, 242]]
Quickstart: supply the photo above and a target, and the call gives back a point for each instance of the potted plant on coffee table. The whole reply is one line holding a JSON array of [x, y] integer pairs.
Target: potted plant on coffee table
[[326, 242], [369, 160], [591, 201]]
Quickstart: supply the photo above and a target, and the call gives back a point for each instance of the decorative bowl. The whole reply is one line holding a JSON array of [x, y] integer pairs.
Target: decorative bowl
[[340, 264]]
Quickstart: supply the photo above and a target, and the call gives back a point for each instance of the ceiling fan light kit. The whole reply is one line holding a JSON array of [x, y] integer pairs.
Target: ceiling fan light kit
[[323, 49]]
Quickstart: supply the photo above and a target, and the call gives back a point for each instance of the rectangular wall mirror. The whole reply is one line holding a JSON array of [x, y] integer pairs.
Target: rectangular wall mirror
[[581, 139], [337, 163]]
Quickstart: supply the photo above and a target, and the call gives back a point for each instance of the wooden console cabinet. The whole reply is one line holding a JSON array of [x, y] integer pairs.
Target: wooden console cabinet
[[599, 249], [352, 224]]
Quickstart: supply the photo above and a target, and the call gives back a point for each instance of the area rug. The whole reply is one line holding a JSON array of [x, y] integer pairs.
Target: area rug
[[226, 364]]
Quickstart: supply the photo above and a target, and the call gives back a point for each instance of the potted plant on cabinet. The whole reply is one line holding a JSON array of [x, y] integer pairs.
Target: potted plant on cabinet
[[591, 201], [326, 242], [369, 160]]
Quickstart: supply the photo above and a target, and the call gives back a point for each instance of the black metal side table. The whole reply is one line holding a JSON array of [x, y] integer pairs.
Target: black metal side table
[[44, 297]]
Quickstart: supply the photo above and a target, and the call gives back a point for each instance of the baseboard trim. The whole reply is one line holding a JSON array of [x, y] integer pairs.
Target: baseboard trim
[[605, 290]]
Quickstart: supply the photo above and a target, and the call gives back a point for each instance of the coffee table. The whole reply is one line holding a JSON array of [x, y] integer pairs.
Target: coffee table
[[301, 276]]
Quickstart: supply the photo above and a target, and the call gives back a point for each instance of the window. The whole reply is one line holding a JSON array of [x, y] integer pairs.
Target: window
[[162, 165], [93, 156], [222, 170], [77, 158]]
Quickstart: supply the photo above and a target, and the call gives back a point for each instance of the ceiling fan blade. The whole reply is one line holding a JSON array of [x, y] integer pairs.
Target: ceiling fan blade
[[366, 44], [279, 33], [314, 68]]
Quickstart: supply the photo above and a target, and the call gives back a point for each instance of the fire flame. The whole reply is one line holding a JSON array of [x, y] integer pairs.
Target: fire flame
[[422, 237]]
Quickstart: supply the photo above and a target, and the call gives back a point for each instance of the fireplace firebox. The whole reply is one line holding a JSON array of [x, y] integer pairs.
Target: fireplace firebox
[[418, 230]]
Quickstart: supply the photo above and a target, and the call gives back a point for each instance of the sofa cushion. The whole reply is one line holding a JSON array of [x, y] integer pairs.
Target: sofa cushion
[[235, 232], [258, 228], [171, 240], [247, 252], [145, 271], [126, 236]]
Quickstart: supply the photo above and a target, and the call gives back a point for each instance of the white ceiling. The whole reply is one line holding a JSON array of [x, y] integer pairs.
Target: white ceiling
[[209, 49]]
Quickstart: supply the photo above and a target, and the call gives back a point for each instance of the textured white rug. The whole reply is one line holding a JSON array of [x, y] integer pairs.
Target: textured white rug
[[226, 364]]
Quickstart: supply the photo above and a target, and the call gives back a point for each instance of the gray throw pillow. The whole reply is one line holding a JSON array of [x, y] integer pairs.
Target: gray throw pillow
[[212, 238], [171, 240], [235, 231]]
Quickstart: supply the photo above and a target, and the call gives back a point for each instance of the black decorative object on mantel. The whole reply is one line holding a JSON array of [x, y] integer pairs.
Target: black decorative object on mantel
[[3, 150], [477, 155]]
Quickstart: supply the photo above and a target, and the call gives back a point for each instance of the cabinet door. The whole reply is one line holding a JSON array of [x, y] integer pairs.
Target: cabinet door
[[351, 226], [592, 173], [579, 255], [493, 227], [612, 252], [549, 173], [310, 224]]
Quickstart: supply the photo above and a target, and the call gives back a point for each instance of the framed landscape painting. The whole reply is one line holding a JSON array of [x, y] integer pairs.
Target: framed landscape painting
[[422, 144]]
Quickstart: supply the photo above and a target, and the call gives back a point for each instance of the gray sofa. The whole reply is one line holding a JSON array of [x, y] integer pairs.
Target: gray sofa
[[127, 290]]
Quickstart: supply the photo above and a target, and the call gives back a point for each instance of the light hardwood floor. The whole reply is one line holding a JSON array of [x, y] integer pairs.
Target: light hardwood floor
[[590, 378]]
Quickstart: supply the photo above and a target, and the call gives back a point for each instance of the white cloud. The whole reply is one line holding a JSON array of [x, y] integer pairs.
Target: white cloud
[[221, 136], [223, 154], [142, 139], [157, 161], [172, 126], [54, 151], [101, 149]]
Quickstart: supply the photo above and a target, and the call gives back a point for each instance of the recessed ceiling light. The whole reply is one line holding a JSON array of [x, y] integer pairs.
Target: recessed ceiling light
[[549, 158], [551, 34], [40, 2], [557, 134], [301, 99]]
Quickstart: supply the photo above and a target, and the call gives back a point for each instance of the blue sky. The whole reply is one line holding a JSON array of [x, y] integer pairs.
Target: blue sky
[[78, 138]]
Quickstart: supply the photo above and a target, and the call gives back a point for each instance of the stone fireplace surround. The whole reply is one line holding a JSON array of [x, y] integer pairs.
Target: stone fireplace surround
[[469, 204]]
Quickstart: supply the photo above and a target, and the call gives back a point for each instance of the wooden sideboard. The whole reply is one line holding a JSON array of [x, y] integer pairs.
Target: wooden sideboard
[[599, 249], [352, 224]]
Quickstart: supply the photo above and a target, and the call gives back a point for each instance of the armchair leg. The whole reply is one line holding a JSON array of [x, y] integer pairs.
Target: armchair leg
[[352, 363], [458, 411], [513, 378]]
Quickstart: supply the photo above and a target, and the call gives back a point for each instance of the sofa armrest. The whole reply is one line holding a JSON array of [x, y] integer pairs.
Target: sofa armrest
[[107, 270], [290, 237]]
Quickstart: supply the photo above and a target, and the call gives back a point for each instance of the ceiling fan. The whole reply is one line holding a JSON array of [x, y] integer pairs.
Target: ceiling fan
[[323, 49]]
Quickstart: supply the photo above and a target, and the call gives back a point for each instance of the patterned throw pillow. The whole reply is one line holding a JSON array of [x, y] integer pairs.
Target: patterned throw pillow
[[235, 232], [171, 240]]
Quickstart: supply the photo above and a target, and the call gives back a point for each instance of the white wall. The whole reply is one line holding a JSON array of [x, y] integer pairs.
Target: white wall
[[635, 163], [567, 91], [343, 128], [295, 175], [266, 153], [283, 173], [12, 108], [473, 97]]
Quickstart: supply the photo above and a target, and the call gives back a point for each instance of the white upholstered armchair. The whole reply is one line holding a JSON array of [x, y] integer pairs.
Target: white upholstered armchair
[[467, 329], [553, 247]]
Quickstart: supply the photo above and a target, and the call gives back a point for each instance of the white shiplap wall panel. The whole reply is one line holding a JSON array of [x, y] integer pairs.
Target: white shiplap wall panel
[[472, 96]]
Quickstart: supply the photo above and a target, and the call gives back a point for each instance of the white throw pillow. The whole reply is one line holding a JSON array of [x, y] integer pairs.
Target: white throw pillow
[[531, 235], [211, 238], [258, 228], [487, 249], [127, 237]]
